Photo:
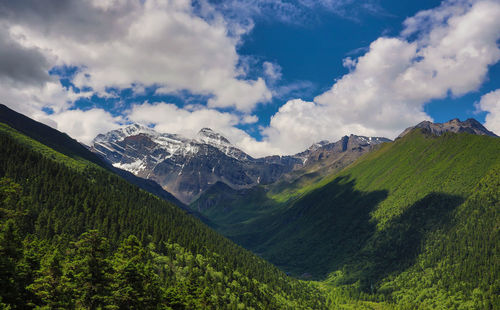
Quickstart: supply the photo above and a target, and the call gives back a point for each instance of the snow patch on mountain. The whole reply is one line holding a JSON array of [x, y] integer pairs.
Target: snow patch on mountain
[[187, 167], [135, 167]]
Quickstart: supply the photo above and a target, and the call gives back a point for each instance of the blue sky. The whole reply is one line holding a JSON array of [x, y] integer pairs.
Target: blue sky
[[314, 53], [274, 76]]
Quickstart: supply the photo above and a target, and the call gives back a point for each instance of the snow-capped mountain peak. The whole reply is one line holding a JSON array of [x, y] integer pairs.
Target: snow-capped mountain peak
[[123, 132], [186, 167], [208, 136]]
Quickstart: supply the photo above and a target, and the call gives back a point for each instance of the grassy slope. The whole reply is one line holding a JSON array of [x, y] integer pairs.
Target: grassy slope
[[396, 177], [458, 265], [48, 136], [229, 209], [78, 163], [392, 209]]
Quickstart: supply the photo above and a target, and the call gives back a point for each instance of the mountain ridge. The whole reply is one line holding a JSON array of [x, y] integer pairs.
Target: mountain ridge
[[470, 125], [66, 145], [413, 222], [187, 167]]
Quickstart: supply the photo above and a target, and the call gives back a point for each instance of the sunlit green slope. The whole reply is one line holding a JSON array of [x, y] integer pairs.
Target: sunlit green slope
[[409, 222]]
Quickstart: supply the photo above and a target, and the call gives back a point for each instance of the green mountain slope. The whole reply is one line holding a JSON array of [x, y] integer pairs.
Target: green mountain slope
[[230, 208], [396, 225], [146, 251], [64, 144]]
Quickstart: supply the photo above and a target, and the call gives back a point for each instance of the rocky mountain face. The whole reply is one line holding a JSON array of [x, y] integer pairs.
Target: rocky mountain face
[[325, 152], [187, 167], [325, 157], [455, 125]]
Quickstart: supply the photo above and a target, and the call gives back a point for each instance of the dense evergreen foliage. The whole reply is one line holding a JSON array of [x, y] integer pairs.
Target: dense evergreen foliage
[[64, 144], [74, 235]]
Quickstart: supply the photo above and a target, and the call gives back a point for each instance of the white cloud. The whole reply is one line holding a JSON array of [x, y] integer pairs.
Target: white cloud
[[25, 83], [164, 43], [84, 125], [272, 71], [249, 119], [388, 86], [168, 118], [31, 99], [491, 103]]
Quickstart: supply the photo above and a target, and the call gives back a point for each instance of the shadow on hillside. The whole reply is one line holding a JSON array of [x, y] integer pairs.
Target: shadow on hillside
[[396, 247], [332, 229], [295, 183], [320, 230]]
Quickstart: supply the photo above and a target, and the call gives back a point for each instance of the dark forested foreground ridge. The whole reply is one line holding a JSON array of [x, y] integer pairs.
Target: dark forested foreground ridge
[[64, 144], [73, 235]]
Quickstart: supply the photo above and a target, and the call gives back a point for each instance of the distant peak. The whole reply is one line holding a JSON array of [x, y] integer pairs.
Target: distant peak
[[471, 126], [122, 132], [206, 129], [320, 143], [207, 135], [473, 121], [423, 123]]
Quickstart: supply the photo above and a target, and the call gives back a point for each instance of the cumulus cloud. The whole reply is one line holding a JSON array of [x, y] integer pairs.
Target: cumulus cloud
[[25, 83], [21, 65], [177, 46], [32, 99], [125, 43], [272, 71], [169, 118], [249, 119], [389, 85], [491, 103], [85, 125]]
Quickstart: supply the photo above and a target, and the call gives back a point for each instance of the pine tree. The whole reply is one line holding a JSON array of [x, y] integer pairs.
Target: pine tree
[[136, 285], [89, 271], [10, 256], [51, 286]]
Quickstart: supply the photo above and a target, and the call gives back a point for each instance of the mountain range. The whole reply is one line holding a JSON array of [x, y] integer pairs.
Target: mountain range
[[187, 167], [405, 224], [470, 125], [409, 221]]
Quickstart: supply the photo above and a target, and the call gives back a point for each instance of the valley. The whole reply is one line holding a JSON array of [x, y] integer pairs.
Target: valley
[[362, 223], [249, 154]]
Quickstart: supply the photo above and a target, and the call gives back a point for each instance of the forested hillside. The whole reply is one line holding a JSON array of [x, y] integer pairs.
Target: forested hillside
[[411, 224], [414, 222], [75, 235], [65, 145]]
